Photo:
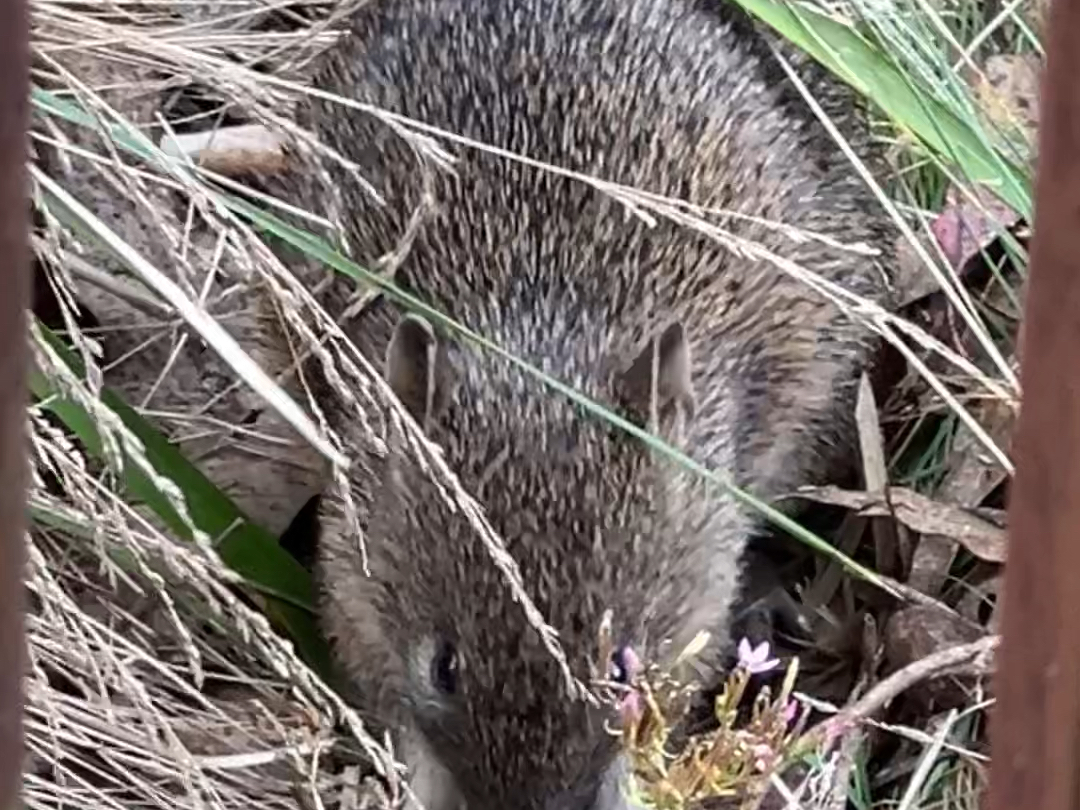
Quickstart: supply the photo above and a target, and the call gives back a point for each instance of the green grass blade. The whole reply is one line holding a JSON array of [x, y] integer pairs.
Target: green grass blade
[[869, 71], [245, 547]]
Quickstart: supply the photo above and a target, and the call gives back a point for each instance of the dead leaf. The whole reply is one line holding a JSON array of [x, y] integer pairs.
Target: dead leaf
[[975, 597], [1008, 91], [972, 474], [968, 225], [889, 556], [913, 281], [969, 527], [872, 449], [918, 631], [930, 564], [847, 539]]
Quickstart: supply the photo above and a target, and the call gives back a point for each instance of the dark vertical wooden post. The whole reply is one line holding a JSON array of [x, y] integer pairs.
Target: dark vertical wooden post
[[1035, 727], [14, 301]]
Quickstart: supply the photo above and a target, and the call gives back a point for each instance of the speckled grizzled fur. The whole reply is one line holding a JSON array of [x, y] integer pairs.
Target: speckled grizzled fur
[[754, 374]]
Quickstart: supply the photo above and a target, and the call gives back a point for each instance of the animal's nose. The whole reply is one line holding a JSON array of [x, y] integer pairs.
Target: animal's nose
[[609, 793], [584, 798], [603, 790], [613, 797], [613, 792]]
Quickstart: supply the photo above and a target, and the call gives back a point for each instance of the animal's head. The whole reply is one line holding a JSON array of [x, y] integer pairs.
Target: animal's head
[[595, 522]]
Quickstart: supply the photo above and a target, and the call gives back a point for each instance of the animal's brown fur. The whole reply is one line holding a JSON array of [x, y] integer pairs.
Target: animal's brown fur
[[755, 373]]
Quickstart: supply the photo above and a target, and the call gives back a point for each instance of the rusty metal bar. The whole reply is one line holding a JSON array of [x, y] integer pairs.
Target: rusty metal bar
[[1035, 726], [14, 302]]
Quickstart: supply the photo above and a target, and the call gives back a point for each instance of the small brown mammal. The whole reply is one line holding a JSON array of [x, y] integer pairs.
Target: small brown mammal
[[744, 368]]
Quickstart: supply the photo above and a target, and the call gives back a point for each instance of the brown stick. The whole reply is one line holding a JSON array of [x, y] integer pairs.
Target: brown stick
[[1034, 728], [14, 302], [976, 658], [973, 659]]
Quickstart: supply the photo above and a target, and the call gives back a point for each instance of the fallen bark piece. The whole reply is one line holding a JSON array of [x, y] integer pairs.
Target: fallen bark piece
[[231, 151]]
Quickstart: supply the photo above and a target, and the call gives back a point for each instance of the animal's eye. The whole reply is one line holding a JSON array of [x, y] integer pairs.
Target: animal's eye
[[619, 666], [444, 668]]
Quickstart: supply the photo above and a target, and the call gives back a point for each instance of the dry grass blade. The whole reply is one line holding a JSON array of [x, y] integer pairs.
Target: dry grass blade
[[150, 681], [210, 329]]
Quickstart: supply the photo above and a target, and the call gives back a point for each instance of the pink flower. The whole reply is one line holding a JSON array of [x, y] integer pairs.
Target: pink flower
[[755, 660], [791, 711], [763, 757]]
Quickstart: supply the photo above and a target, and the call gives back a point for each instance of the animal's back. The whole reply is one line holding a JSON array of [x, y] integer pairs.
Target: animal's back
[[675, 98], [670, 97]]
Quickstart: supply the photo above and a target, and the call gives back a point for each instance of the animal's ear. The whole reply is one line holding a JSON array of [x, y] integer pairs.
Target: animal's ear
[[657, 388], [411, 368]]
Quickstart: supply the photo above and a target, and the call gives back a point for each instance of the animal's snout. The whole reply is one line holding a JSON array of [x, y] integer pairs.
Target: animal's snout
[[615, 800], [609, 793]]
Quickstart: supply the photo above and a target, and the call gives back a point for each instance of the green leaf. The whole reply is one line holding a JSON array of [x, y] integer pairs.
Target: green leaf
[[840, 49], [244, 546], [63, 108]]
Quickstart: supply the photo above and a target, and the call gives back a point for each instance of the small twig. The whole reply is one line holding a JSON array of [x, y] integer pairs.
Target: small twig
[[975, 658], [922, 738]]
